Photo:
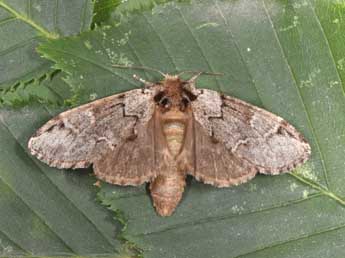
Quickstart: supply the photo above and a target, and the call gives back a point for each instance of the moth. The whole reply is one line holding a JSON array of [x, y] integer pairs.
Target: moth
[[166, 131]]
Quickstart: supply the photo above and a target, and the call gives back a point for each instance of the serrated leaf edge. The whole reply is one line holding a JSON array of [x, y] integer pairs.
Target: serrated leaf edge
[[128, 246]]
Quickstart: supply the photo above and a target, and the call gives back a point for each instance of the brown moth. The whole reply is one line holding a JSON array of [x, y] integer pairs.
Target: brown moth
[[166, 131]]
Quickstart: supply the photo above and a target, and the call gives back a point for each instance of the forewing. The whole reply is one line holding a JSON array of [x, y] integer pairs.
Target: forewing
[[266, 141], [132, 163], [83, 135]]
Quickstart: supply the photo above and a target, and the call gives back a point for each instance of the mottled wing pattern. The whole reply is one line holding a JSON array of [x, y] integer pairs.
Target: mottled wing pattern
[[132, 163], [260, 140], [215, 164], [84, 135]]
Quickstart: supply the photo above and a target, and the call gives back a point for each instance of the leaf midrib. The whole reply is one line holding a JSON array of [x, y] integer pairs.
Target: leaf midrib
[[306, 236], [27, 20]]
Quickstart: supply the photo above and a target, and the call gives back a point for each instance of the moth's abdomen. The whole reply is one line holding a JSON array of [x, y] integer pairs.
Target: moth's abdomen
[[174, 132], [166, 191]]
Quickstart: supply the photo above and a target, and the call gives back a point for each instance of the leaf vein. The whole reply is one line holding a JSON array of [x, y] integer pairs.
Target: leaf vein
[[7, 20], [18, 45], [13, 242], [320, 188], [56, 9], [299, 95], [25, 19], [83, 14], [161, 41], [29, 9], [135, 53], [228, 216], [306, 236], [328, 46], [199, 46], [239, 51]]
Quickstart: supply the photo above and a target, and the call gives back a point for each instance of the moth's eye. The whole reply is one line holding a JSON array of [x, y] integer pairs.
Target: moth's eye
[[159, 96], [164, 102]]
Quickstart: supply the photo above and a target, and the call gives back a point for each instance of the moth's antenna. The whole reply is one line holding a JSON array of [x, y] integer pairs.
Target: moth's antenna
[[200, 73], [197, 74], [146, 83], [139, 68]]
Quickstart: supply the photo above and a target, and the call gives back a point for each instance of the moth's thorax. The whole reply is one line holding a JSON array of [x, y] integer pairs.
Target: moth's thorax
[[174, 127], [173, 88]]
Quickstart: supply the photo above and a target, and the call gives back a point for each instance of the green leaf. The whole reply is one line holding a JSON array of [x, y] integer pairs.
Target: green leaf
[[103, 10], [110, 11], [50, 89], [24, 24], [286, 56]]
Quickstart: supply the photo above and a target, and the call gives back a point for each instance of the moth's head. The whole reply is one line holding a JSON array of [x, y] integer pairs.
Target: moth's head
[[173, 85], [174, 94], [178, 93]]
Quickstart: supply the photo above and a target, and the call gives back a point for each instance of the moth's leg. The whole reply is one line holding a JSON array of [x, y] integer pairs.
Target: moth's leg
[[146, 83]]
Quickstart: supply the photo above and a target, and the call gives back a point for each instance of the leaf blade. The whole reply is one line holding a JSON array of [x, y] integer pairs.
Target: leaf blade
[[270, 59], [33, 22]]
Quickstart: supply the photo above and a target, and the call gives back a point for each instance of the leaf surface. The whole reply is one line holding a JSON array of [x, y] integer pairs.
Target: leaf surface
[[285, 56], [25, 23]]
